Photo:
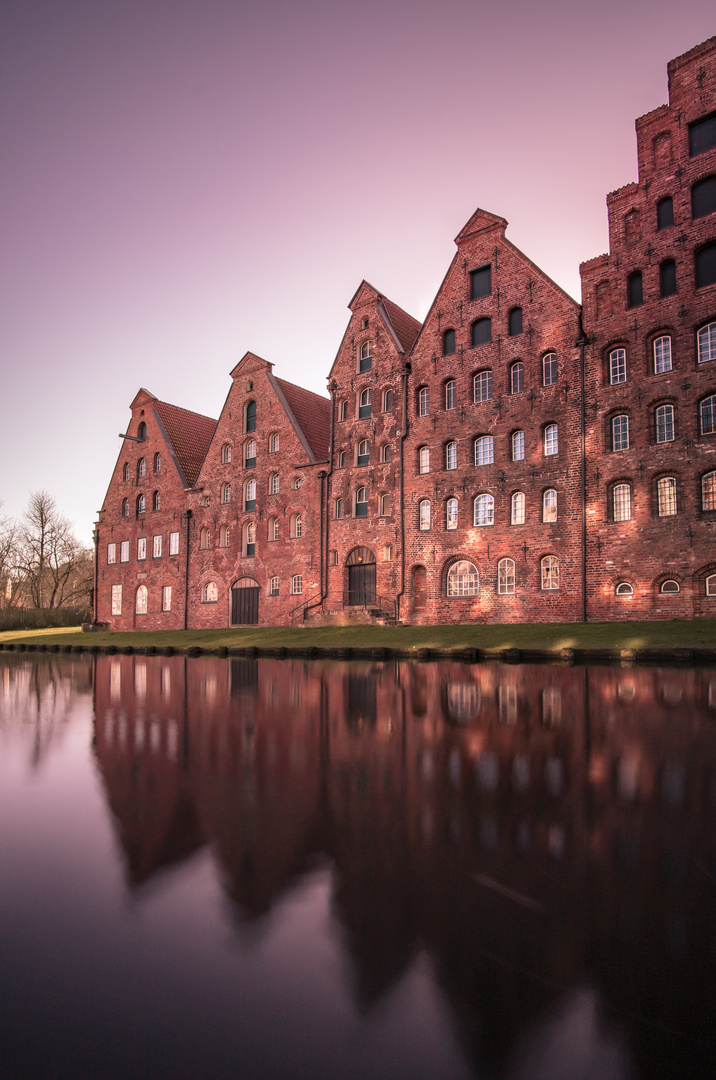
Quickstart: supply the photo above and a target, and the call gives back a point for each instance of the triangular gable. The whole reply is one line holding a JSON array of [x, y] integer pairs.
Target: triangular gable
[[309, 414], [142, 397], [479, 222], [248, 364], [402, 328]]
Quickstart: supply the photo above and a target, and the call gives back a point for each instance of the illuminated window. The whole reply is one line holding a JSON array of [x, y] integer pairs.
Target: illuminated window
[[505, 577], [617, 366], [451, 511], [463, 579], [482, 386], [141, 602], [621, 502], [124, 551], [549, 505], [424, 515], [518, 445], [517, 508], [666, 496], [484, 510], [550, 572]]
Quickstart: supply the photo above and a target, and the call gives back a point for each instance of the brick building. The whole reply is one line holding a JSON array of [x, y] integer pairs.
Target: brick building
[[514, 457]]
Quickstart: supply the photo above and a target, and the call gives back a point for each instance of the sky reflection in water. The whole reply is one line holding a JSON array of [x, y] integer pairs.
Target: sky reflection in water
[[265, 868]]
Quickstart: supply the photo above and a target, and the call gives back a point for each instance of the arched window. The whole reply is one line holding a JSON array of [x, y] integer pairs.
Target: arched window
[[667, 277], [274, 585], [343, 410], [125, 507], [141, 504], [142, 431], [549, 369], [550, 572], [620, 432], [424, 459], [250, 453], [551, 440], [463, 579], [423, 401], [549, 505], [424, 515], [621, 502], [624, 589], [364, 403], [388, 401], [142, 597], [708, 491], [514, 324], [125, 471], [703, 197], [448, 343], [484, 512], [451, 455], [451, 512], [226, 493], [273, 528], [705, 266], [670, 586], [482, 386], [251, 416], [517, 508], [273, 483], [665, 212], [362, 502], [385, 453], [250, 539], [710, 585], [156, 501], [484, 450], [141, 468], [157, 462], [296, 526], [664, 427], [617, 366], [204, 538], [481, 332], [363, 457], [224, 535], [209, 593], [517, 377], [707, 415], [505, 577], [338, 509], [666, 496], [518, 445], [635, 290], [662, 354], [274, 443], [707, 342], [341, 459], [366, 356], [297, 483], [226, 453], [385, 505], [297, 584], [450, 394], [250, 495]]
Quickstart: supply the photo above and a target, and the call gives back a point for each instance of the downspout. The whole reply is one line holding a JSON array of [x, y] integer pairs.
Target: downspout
[[96, 574], [323, 525], [582, 342], [324, 476], [186, 573], [404, 434]]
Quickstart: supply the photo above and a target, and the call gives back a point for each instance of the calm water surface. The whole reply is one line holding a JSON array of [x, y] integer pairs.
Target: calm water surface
[[259, 869]]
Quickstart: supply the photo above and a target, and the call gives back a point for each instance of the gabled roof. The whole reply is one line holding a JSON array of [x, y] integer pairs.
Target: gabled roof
[[188, 434], [402, 328], [479, 222], [406, 327], [312, 413]]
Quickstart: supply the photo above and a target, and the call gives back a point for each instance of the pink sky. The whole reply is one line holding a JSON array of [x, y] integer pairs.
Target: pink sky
[[183, 180]]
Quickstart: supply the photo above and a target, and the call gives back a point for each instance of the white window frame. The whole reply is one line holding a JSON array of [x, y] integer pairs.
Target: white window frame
[[451, 513], [707, 415], [141, 600], [620, 432], [666, 496], [517, 508], [549, 573], [157, 546], [273, 486], [226, 492], [424, 460], [621, 502], [111, 554], [518, 445], [166, 597], [617, 366], [505, 577], [124, 551], [462, 581], [424, 515], [209, 593], [116, 599], [424, 401], [297, 585], [708, 491], [662, 354], [451, 455], [141, 548], [549, 369], [484, 450], [226, 454], [549, 505], [484, 510], [274, 585], [450, 394], [173, 543], [665, 423], [706, 339], [551, 440], [482, 386]]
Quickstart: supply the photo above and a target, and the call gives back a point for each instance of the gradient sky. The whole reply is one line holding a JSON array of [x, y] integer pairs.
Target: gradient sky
[[183, 180]]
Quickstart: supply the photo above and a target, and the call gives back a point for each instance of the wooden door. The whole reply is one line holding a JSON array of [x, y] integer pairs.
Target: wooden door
[[245, 606]]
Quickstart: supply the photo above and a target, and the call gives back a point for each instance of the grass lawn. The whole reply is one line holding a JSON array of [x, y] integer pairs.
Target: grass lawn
[[674, 634]]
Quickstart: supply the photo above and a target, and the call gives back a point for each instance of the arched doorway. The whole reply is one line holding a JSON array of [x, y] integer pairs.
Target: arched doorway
[[420, 588], [245, 602], [361, 577]]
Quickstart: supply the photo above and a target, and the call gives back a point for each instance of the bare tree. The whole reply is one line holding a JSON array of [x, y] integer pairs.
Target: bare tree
[[54, 567], [9, 581]]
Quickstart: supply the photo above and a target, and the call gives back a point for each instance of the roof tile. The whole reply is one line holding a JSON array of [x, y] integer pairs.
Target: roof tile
[[189, 434], [313, 413]]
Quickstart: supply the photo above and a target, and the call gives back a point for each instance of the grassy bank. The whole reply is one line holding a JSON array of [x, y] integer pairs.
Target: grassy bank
[[548, 637]]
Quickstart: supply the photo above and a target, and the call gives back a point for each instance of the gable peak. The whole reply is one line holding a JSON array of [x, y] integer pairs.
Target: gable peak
[[142, 397], [364, 294], [250, 363], [480, 221]]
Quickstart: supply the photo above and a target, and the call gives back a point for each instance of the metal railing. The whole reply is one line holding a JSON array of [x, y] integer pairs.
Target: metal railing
[[302, 608], [381, 606]]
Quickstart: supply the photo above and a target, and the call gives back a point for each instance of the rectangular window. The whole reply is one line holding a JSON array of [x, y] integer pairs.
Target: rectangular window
[[665, 423], [142, 547], [551, 440], [622, 502], [111, 553], [124, 551], [157, 547], [549, 369], [617, 366], [702, 135], [480, 282], [174, 543], [483, 386], [274, 586], [662, 355], [666, 491], [166, 598], [297, 584], [518, 446], [620, 433], [116, 599], [707, 343]]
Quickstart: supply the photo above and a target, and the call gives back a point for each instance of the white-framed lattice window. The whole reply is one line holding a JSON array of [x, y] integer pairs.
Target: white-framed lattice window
[[450, 394], [662, 354], [384, 503], [707, 415], [142, 547], [707, 343], [157, 546], [624, 588], [669, 586], [363, 457], [620, 432], [124, 551], [204, 538], [451, 455], [274, 443], [617, 366], [273, 527], [274, 585], [125, 471], [708, 491], [549, 369], [518, 445], [226, 454], [551, 440], [166, 597], [423, 401], [141, 504], [116, 599], [484, 510], [224, 536], [111, 553], [157, 462], [451, 512], [549, 505], [250, 495], [173, 543], [710, 585], [664, 426], [424, 515], [209, 593], [141, 468], [666, 496], [141, 600], [517, 377], [362, 502], [621, 502], [505, 577], [482, 386], [365, 362], [296, 524], [226, 492], [364, 403], [250, 453], [517, 508], [463, 579], [484, 450], [297, 584], [273, 483], [343, 410], [424, 459], [550, 572]]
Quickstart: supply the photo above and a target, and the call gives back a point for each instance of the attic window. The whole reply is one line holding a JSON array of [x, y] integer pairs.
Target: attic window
[[365, 324]]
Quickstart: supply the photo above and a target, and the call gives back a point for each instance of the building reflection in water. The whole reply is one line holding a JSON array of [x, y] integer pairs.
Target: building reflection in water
[[546, 834]]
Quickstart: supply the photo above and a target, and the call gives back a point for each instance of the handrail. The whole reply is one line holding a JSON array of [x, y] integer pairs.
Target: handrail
[[302, 606], [385, 604]]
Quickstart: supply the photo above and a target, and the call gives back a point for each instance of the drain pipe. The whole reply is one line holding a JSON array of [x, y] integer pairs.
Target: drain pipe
[[186, 573], [324, 476], [404, 434], [96, 574], [581, 342]]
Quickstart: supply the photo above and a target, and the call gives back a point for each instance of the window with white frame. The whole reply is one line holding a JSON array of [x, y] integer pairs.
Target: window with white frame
[[551, 440], [621, 502], [297, 482], [209, 593], [157, 546], [141, 504], [662, 354], [141, 600], [482, 386], [226, 493], [518, 445], [274, 586], [250, 495], [708, 491], [296, 526], [517, 508], [362, 502], [666, 496], [125, 507], [166, 597], [125, 471], [173, 543], [387, 553], [273, 484], [157, 462], [224, 536], [142, 547], [617, 366], [226, 453], [484, 450], [343, 410], [451, 511], [423, 401], [385, 505], [550, 572], [363, 457], [424, 459], [707, 343], [624, 588], [517, 377], [250, 453], [111, 553], [505, 577], [250, 539], [707, 415], [388, 401], [463, 579], [273, 528], [484, 512], [156, 501], [450, 394], [203, 538], [364, 403], [297, 584], [141, 468], [549, 505], [274, 443], [670, 586], [664, 423], [424, 515], [620, 432], [116, 599], [338, 509], [366, 356], [451, 455], [124, 551], [710, 585], [549, 369]]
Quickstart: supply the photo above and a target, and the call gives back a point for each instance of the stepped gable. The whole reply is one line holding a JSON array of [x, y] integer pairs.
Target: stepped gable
[[313, 415], [406, 327], [189, 434]]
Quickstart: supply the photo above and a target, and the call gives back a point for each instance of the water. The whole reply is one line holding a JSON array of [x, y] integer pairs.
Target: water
[[262, 868]]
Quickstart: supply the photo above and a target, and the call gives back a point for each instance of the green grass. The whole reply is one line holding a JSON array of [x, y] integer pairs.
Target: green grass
[[699, 633]]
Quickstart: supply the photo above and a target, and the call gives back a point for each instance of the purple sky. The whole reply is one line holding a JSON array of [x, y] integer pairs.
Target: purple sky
[[183, 180]]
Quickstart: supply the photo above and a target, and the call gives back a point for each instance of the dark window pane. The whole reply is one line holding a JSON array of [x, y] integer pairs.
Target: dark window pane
[[636, 294], [480, 282], [515, 324], [703, 197], [667, 277], [702, 135], [482, 332], [251, 416], [705, 266], [448, 343], [665, 213]]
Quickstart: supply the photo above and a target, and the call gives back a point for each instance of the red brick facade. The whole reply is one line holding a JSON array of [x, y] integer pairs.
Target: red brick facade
[[515, 457]]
